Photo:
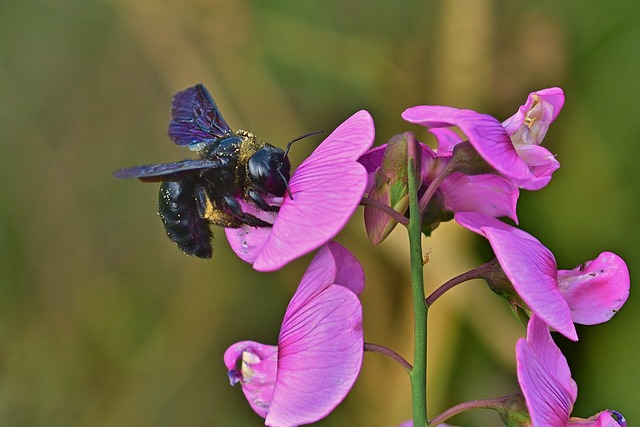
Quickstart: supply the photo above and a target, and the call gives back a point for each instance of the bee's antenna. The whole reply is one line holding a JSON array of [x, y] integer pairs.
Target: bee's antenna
[[286, 151], [286, 183]]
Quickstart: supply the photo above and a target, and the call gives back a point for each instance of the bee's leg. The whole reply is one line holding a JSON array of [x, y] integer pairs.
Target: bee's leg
[[209, 208], [234, 209], [261, 202], [203, 202]]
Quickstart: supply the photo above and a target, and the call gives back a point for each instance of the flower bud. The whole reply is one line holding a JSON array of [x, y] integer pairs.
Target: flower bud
[[390, 186], [513, 412]]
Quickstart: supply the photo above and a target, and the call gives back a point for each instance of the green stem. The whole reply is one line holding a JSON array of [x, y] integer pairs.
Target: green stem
[[419, 372]]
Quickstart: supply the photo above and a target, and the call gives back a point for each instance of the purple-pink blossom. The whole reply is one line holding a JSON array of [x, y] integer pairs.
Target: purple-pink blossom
[[320, 347], [511, 148], [489, 194], [326, 188], [546, 383], [589, 294]]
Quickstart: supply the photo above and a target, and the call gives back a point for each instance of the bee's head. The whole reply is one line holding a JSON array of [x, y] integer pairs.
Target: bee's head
[[269, 168]]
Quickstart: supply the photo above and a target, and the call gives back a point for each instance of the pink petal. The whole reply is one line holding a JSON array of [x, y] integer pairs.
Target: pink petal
[[530, 267], [484, 132], [447, 139], [476, 221], [349, 272], [372, 160], [320, 348], [538, 158], [491, 195], [597, 289], [553, 96], [529, 125], [333, 264], [544, 377], [327, 188], [257, 373], [320, 356], [321, 341], [601, 419], [541, 163], [246, 241], [431, 163]]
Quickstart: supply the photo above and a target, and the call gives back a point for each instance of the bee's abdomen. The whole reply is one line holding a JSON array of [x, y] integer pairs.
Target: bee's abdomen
[[185, 227]]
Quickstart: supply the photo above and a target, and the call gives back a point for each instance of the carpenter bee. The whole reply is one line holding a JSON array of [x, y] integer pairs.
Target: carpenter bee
[[232, 167]]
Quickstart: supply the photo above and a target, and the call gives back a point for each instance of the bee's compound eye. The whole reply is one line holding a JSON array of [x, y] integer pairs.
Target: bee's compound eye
[[266, 169]]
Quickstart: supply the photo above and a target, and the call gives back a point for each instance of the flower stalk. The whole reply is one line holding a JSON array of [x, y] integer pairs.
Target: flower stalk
[[480, 272], [398, 217], [418, 373], [434, 185], [496, 404], [377, 348]]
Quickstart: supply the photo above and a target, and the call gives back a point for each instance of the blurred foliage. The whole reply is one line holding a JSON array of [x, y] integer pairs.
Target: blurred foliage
[[104, 323]]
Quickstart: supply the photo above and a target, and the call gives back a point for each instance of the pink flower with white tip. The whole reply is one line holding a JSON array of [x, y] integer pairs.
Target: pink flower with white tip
[[546, 383], [589, 294], [320, 347], [511, 148]]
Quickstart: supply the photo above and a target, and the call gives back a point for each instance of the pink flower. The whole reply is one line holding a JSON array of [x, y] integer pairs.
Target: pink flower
[[589, 294], [489, 194], [545, 380], [320, 347], [511, 148], [327, 187]]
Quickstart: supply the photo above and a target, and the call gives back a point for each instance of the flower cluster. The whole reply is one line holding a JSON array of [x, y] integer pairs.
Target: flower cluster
[[473, 175], [478, 171], [511, 148]]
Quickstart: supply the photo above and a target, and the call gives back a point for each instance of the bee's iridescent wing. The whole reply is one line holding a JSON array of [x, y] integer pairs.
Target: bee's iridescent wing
[[195, 118], [165, 171]]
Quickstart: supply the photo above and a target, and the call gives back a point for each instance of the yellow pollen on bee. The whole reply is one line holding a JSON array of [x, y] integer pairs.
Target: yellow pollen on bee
[[217, 216], [249, 146], [211, 213]]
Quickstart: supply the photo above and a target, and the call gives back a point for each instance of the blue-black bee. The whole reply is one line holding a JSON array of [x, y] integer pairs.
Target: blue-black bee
[[232, 166]]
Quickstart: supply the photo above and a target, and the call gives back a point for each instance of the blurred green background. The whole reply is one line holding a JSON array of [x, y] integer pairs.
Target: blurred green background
[[104, 323]]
